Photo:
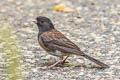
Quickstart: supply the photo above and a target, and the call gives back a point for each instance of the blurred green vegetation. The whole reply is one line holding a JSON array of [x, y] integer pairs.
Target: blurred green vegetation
[[11, 52]]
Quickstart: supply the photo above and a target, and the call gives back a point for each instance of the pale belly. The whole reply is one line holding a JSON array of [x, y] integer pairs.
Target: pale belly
[[59, 53]]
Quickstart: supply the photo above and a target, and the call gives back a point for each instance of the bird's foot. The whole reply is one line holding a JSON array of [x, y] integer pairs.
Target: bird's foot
[[64, 62]]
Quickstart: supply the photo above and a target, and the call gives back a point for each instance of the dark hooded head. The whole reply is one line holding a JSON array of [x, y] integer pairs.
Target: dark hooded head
[[44, 24]]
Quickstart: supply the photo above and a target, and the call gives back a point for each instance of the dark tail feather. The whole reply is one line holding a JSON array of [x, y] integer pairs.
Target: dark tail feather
[[96, 61]]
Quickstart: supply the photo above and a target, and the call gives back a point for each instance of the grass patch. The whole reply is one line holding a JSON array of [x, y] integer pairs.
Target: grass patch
[[12, 52]]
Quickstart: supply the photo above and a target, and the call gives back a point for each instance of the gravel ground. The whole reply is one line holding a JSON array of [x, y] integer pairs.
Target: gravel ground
[[94, 28]]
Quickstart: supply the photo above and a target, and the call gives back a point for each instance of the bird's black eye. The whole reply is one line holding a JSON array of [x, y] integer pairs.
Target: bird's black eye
[[42, 21]]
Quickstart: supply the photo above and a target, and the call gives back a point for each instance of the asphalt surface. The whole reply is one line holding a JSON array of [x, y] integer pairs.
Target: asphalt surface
[[94, 27]]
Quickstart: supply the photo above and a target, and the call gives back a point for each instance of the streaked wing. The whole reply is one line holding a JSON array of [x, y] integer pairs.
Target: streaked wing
[[57, 41]]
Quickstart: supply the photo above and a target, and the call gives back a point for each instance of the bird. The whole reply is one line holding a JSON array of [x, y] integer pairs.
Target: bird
[[56, 44]]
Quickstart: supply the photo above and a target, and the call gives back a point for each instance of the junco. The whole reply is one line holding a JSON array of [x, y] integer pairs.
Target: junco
[[55, 43]]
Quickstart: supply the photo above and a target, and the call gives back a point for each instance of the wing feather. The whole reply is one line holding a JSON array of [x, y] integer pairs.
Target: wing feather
[[57, 41]]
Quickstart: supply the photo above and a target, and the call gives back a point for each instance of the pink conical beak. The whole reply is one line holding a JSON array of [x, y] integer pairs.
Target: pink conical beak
[[34, 21]]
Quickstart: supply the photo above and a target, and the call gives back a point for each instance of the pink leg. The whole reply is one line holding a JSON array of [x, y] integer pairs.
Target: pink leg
[[63, 61]]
